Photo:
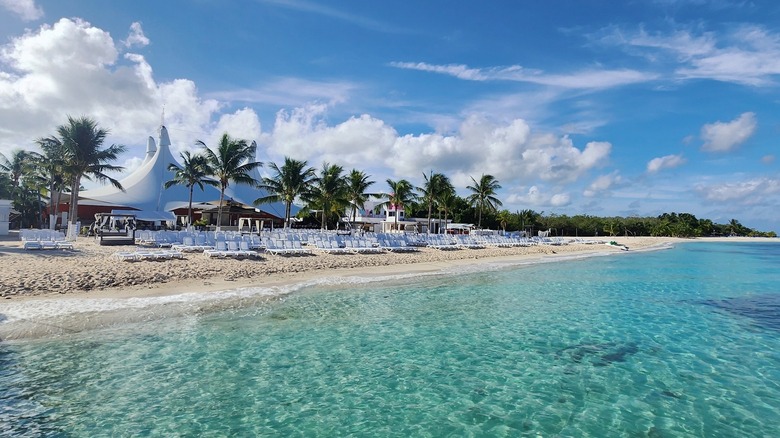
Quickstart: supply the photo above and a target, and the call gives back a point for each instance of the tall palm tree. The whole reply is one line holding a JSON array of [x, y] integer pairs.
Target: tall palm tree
[[433, 187], [447, 202], [194, 171], [288, 182], [357, 187], [5, 186], [401, 194], [484, 195], [51, 173], [328, 191], [233, 160], [83, 157], [20, 170], [18, 166]]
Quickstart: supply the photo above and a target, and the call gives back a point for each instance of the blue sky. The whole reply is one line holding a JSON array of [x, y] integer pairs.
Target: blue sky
[[577, 107]]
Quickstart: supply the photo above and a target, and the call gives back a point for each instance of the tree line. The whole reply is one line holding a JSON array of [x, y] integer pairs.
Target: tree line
[[76, 152]]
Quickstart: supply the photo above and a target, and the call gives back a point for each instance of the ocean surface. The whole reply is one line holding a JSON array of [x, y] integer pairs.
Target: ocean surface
[[672, 343]]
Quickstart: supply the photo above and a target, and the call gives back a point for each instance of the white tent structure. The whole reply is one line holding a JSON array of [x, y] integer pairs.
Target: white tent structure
[[144, 189]]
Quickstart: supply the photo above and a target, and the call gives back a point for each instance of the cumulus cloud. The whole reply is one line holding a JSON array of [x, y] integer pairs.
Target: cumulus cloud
[[303, 134], [726, 136], [666, 162], [536, 198], [603, 184], [136, 38], [27, 10], [74, 68], [511, 151], [754, 191]]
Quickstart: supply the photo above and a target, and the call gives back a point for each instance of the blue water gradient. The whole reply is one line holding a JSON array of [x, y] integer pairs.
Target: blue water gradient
[[681, 342]]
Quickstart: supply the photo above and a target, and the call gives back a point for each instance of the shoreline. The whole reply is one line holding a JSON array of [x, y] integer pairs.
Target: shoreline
[[229, 283]]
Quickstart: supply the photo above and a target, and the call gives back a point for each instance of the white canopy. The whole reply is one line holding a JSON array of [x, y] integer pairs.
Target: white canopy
[[144, 188]]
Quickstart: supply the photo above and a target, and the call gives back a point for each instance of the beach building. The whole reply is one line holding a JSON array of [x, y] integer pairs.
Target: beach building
[[145, 193], [379, 216]]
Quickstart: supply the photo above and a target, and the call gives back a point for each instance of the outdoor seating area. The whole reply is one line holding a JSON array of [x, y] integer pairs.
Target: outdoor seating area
[[44, 239], [147, 254], [166, 245]]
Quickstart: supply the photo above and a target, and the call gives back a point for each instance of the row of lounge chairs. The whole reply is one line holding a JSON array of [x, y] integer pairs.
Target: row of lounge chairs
[[147, 254], [44, 239], [231, 249]]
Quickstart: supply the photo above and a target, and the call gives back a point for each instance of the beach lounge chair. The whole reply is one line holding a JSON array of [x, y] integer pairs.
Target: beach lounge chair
[[220, 250], [243, 246], [32, 244], [125, 256]]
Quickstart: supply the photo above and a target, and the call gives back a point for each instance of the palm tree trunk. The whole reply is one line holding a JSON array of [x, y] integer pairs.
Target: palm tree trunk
[[287, 214], [74, 199], [430, 206], [219, 211], [189, 209]]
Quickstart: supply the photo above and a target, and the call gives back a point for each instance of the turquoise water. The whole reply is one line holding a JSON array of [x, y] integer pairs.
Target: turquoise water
[[680, 342]]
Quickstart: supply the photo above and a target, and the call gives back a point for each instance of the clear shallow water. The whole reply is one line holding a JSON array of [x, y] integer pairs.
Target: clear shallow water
[[684, 342]]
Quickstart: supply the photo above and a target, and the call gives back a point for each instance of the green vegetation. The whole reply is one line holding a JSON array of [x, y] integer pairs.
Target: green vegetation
[[194, 171], [289, 182], [233, 160]]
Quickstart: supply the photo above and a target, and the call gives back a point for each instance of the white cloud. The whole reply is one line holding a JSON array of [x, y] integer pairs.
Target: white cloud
[[666, 162], [725, 136], [584, 79], [136, 36], [302, 134], [536, 198], [509, 151], [291, 92], [603, 184], [747, 55], [74, 68], [26, 9], [242, 124], [755, 191]]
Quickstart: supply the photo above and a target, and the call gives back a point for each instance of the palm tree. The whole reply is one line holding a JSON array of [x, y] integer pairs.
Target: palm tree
[[432, 189], [233, 160], [81, 142], [51, 173], [328, 191], [194, 171], [357, 186], [17, 167], [401, 194], [20, 170], [5, 186], [484, 195], [447, 202], [290, 181]]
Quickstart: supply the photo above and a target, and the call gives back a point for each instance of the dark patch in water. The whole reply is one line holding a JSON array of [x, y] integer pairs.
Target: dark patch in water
[[599, 355], [763, 310], [670, 394]]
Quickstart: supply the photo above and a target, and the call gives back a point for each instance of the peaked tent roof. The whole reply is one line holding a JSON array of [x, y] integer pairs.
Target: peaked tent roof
[[144, 188]]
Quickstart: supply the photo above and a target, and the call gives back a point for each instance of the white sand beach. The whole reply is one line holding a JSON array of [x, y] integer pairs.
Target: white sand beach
[[89, 269]]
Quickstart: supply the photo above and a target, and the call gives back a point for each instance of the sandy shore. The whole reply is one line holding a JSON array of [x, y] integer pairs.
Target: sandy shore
[[51, 292], [89, 270]]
